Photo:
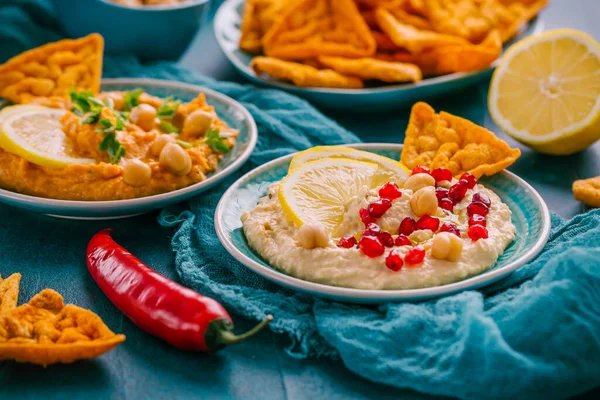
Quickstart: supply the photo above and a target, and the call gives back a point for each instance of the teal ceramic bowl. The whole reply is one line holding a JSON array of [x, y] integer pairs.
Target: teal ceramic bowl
[[227, 31], [529, 215], [151, 33], [228, 110]]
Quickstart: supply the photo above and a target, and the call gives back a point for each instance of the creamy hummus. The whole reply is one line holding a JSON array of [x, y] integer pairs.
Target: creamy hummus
[[272, 235]]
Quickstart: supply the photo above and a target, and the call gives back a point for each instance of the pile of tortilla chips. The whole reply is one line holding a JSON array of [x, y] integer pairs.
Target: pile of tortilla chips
[[46, 331], [377, 40]]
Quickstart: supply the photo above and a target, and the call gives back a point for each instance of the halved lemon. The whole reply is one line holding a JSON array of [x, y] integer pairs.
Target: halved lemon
[[389, 169], [317, 191], [35, 134], [546, 92]]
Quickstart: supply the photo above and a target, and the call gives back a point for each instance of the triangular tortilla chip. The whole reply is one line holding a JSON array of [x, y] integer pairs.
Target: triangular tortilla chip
[[312, 28], [257, 19], [371, 68], [524, 14], [445, 140], [413, 39], [45, 331], [50, 70]]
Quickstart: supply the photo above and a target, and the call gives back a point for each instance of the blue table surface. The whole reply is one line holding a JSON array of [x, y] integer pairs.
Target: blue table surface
[[145, 367]]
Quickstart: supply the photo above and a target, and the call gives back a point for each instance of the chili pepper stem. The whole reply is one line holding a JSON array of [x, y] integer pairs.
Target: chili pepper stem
[[227, 337]]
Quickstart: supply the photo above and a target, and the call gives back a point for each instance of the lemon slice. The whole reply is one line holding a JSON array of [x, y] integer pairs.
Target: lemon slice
[[389, 169], [546, 92], [35, 134], [317, 191]]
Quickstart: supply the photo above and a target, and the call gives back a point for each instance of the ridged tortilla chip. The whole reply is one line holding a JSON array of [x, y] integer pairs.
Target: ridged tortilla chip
[[258, 17], [45, 331], [9, 293], [413, 39], [303, 75], [587, 191], [313, 28], [445, 140], [52, 69], [370, 68]]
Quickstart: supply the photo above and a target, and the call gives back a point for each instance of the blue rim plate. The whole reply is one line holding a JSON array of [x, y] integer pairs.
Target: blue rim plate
[[227, 31], [529, 215], [228, 109]]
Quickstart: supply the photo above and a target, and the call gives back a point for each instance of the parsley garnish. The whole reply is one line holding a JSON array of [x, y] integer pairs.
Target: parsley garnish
[[111, 145], [184, 144], [168, 127], [168, 108], [214, 139], [92, 117], [131, 99]]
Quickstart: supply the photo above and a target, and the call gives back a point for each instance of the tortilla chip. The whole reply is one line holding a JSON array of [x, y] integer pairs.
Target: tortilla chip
[[407, 18], [9, 293], [370, 68], [313, 28], [258, 17], [52, 69], [303, 75], [445, 140], [587, 191], [45, 332], [413, 39], [384, 42], [524, 15]]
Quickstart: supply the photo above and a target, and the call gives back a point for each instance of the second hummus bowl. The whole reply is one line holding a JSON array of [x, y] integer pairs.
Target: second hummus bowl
[[529, 215]]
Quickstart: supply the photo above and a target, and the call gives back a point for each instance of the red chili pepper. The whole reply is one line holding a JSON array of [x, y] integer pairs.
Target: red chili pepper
[[159, 306]]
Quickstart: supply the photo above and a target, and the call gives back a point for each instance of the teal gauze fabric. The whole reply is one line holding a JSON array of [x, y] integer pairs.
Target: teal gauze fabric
[[535, 334]]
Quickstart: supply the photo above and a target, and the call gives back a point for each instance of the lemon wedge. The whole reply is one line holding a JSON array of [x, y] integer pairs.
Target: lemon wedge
[[317, 191], [389, 169], [35, 134], [546, 92]]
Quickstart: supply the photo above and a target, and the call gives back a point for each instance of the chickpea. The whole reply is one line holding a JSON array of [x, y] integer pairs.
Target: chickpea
[[419, 181], [159, 143], [136, 173], [197, 123], [424, 202], [312, 235], [143, 116], [446, 246], [175, 159]]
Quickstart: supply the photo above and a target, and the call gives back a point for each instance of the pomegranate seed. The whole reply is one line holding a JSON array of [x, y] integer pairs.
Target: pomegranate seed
[[471, 180], [477, 232], [477, 208], [420, 170], [371, 246], [402, 240], [446, 204], [347, 242], [415, 256], [393, 261], [390, 191], [441, 193], [448, 227], [386, 239], [441, 174], [408, 226], [372, 230], [482, 198], [378, 208], [428, 222], [477, 220], [458, 191], [364, 216]]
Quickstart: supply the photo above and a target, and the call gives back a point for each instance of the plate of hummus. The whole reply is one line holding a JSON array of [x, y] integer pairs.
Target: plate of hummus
[[356, 225]]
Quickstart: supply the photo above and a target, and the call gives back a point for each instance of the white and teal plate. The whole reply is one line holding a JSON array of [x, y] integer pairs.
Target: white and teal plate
[[529, 215], [228, 110]]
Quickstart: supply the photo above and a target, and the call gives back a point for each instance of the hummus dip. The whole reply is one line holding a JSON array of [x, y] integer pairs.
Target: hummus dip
[[272, 235]]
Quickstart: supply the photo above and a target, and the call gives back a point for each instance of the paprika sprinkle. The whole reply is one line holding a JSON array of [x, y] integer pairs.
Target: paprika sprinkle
[[159, 306]]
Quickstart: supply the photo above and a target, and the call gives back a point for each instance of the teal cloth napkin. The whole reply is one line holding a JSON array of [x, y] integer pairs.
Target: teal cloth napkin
[[535, 334]]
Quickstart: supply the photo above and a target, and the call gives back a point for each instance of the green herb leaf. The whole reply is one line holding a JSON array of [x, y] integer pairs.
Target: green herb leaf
[[168, 108], [168, 127], [80, 100], [105, 125], [120, 124], [110, 103], [92, 117], [131, 99], [214, 140], [111, 145], [184, 144]]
